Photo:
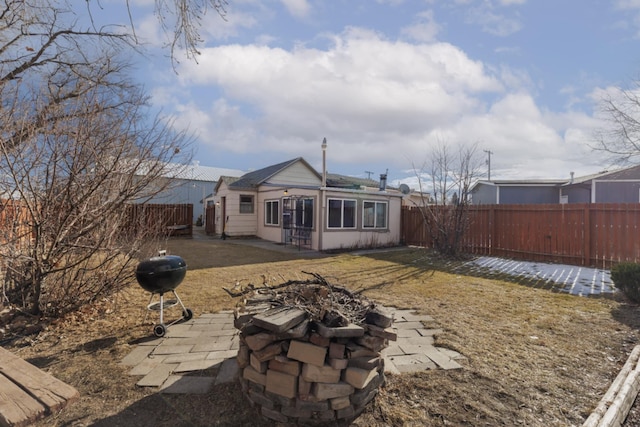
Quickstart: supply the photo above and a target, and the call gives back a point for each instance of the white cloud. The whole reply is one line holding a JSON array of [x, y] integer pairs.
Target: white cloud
[[148, 31], [396, 2], [220, 127], [216, 28], [297, 8], [511, 2], [493, 23], [627, 4], [363, 80], [425, 30], [376, 100]]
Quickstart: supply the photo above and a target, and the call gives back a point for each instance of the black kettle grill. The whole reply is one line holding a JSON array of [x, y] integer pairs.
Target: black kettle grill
[[159, 275]]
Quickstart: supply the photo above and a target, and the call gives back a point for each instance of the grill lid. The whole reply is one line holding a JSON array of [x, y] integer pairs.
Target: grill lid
[[162, 273]]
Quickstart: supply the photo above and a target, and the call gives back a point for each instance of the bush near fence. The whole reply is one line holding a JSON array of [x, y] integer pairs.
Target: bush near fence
[[596, 234]]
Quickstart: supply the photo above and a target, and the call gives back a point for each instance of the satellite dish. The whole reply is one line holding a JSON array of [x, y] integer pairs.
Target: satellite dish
[[404, 189]]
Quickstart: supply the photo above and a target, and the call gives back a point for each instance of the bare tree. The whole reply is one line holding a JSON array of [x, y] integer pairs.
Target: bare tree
[[621, 137], [445, 181], [77, 148], [181, 21]]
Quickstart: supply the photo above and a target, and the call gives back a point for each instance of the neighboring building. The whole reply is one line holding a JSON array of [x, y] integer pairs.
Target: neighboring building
[[506, 192], [291, 203], [191, 184], [620, 186]]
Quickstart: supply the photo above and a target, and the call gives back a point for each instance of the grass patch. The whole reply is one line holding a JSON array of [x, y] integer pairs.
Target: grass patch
[[533, 357]]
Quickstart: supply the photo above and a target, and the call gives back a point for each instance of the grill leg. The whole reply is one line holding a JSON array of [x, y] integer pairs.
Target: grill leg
[[146, 316], [162, 308], [187, 314], [179, 301]]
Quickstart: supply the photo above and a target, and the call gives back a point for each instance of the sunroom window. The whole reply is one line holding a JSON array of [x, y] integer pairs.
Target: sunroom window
[[374, 215], [342, 213]]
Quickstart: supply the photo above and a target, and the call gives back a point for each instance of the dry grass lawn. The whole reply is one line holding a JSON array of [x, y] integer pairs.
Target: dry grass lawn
[[533, 357]]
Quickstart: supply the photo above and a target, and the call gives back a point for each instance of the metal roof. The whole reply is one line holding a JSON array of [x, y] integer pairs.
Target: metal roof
[[632, 172], [343, 181], [196, 172], [523, 181]]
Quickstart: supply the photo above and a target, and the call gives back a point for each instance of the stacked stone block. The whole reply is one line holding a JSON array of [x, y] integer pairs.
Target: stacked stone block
[[297, 371]]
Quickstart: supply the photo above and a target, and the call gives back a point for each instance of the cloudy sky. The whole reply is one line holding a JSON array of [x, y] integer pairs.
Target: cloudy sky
[[384, 81]]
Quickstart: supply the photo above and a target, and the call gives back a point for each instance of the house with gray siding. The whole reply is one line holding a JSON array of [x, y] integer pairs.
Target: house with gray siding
[[618, 186], [507, 192]]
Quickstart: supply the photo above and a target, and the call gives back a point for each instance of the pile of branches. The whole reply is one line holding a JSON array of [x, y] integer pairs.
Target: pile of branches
[[332, 305]]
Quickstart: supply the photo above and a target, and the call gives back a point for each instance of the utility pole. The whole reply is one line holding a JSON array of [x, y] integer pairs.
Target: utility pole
[[368, 174], [489, 153]]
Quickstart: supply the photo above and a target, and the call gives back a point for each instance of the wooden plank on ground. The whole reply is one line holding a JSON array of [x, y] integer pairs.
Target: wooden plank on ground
[[52, 392], [17, 408]]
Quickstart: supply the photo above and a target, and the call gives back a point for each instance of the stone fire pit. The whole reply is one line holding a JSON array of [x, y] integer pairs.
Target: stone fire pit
[[310, 351]]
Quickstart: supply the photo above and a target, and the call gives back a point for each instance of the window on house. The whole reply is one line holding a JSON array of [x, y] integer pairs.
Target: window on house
[[374, 215], [272, 212], [304, 212], [342, 213], [246, 204]]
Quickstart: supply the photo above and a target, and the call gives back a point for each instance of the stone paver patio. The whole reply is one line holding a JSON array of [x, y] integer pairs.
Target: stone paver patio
[[195, 355]]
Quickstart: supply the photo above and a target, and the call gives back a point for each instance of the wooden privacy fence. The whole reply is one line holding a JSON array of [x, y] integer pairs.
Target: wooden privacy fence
[[172, 219], [14, 224], [596, 234]]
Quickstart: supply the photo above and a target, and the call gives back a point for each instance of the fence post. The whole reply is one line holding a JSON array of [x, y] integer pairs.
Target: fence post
[[492, 228], [587, 234]]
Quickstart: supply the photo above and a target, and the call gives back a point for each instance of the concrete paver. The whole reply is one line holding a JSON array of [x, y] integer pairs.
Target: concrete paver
[[211, 342], [137, 355], [157, 376], [146, 366]]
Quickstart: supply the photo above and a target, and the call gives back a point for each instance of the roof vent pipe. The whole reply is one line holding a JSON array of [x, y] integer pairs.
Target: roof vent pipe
[[383, 180], [324, 162], [571, 181]]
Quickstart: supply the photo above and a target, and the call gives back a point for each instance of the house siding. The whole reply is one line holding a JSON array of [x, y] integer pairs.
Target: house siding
[[241, 224], [577, 194], [617, 192], [528, 195], [485, 194], [271, 232], [297, 174], [360, 237], [237, 224]]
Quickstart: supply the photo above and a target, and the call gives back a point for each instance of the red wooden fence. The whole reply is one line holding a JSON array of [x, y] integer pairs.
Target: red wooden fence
[[172, 219], [596, 234]]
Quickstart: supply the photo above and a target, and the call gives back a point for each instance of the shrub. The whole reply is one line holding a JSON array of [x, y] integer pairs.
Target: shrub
[[626, 277]]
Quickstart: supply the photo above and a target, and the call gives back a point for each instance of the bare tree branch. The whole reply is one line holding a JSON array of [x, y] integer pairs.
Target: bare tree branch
[[450, 175], [621, 137], [77, 149]]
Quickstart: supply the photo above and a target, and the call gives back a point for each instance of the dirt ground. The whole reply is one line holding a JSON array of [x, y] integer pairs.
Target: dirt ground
[[533, 357]]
